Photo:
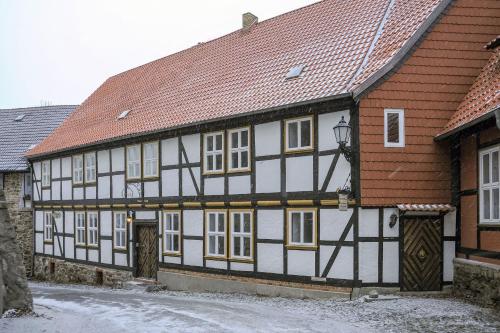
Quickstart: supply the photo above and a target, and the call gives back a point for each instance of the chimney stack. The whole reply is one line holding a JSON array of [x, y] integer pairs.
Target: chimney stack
[[249, 20]]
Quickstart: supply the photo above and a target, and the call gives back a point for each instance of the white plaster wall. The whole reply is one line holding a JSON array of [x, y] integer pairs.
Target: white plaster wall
[[301, 262], [267, 138], [104, 187], [326, 121], [45, 194], [121, 259], [118, 185], [118, 159], [36, 189], [80, 253], [192, 222], [106, 223], [39, 243], [103, 161], [77, 193], [66, 190], [270, 258], [193, 252], [270, 224], [368, 262], [268, 176], [69, 222], [37, 169], [57, 251], [191, 144], [132, 191], [69, 249], [170, 152], [450, 223], [56, 168], [299, 173], [56, 190], [390, 265], [151, 189], [239, 185], [39, 220], [333, 223], [187, 183], [388, 231], [216, 264], [340, 175], [368, 222], [448, 255], [59, 222], [213, 186], [170, 183], [342, 268], [239, 266], [90, 192], [66, 167], [106, 251], [172, 260], [145, 215]]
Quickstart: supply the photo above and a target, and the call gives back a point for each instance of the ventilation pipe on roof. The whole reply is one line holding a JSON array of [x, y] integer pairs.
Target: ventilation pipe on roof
[[249, 20]]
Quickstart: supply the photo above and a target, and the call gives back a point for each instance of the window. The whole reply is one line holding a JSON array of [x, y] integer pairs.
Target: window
[[48, 235], [80, 228], [238, 154], [298, 133], [134, 162], [241, 235], [1, 181], [171, 232], [92, 227], [27, 191], [90, 168], [216, 233], [45, 173], [394, 128], [151, 159], [120, 230], [301, 228], [214, 152], [77, 169], [489, 185]]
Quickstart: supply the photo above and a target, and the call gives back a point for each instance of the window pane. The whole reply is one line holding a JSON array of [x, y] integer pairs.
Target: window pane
[[293, 137], [169, 221], [234, 160], [486, 204], [210, 162], [221, 222], [246, 219], [176, 222], [234, 140], [220, 245], [305, 133], [122, 239], [494, 167], [211, 244], [308, 227], [237, 224], [237, 246], [486, 169], [244, 138], [495, 203], [211, 218], [176, 243], [218, 162], [246, 246], [296, 227], [218, 142], [210, 143], [244, 159], [393, 127]]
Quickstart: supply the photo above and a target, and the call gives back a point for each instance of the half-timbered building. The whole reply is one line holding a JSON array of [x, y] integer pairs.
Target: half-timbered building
[[300, 148]]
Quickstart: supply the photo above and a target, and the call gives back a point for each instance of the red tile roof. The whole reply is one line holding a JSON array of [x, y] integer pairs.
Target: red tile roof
[[341, 43], [482, 98]]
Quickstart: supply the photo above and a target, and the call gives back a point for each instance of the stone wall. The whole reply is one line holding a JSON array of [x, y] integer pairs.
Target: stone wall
[[20, 217], [477, 281], [62, 271]]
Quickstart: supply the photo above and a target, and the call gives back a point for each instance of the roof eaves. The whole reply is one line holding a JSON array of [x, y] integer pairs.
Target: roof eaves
[[403, 52]]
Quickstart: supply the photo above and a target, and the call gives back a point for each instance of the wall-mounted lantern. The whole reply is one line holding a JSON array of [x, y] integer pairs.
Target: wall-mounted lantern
[[342, 133], [392, 220], [130, 216]]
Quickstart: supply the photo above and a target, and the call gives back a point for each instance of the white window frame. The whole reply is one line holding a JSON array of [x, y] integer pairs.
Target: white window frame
[[48, 227], [213, 153], [299, 147], [490, 186], [119, 231], [80, 229], [90, 168], [401, 128], [241, 234], [239, 150], [301, 243], [171, 232], [78, 170], [153, 161], [45, 173], [134, 162], [216, 233], [92, 230]]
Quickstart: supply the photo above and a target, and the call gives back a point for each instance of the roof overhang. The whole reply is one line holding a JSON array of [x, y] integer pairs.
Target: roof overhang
[[489, 115], [437, 208]]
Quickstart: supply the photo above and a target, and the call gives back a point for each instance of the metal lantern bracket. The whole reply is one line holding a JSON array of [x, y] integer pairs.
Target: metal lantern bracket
[[342, 132]]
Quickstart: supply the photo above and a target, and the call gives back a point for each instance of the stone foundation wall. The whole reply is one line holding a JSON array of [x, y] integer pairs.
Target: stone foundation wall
[[477, 281], [61, 271], [20, 217]]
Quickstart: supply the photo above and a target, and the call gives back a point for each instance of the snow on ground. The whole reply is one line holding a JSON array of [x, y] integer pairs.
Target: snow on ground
[[76, 309]]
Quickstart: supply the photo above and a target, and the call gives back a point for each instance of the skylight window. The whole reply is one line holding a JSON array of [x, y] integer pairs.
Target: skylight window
[[295, 72], [124, 114], [20, 117]]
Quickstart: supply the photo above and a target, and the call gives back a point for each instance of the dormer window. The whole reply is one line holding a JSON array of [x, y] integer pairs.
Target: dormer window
[[295, 72], [20, 117], [124, 114]]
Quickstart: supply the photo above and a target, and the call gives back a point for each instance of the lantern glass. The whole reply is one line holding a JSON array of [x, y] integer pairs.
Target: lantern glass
[[342, 132]]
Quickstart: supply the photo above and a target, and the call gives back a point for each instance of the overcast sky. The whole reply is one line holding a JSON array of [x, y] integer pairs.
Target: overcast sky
[[60, 51]]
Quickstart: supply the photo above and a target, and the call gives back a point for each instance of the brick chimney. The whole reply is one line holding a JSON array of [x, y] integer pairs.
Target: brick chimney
[[249, 20]]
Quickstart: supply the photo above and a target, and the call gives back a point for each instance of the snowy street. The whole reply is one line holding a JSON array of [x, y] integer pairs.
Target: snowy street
[[78, 309]]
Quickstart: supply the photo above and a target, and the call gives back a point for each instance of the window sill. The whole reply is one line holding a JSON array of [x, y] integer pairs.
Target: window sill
[[299, 150], [215, 258], [239, 170], [302, 247], [120, 249], [489, 224], [149, 178], [48, 242], [242, 260], [210, 173], [172, 254]]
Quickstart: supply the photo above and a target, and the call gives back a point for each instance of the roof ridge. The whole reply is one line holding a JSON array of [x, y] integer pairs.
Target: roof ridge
[[38, 107]]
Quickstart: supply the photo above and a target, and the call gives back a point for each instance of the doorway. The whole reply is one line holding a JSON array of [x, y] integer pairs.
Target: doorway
[[146, 254]]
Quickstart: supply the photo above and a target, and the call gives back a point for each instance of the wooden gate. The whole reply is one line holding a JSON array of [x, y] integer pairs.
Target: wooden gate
[[146, 251], [422, 253]]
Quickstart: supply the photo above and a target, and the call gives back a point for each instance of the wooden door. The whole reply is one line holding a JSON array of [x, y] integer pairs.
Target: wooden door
[[422, 254], [146, 251]]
